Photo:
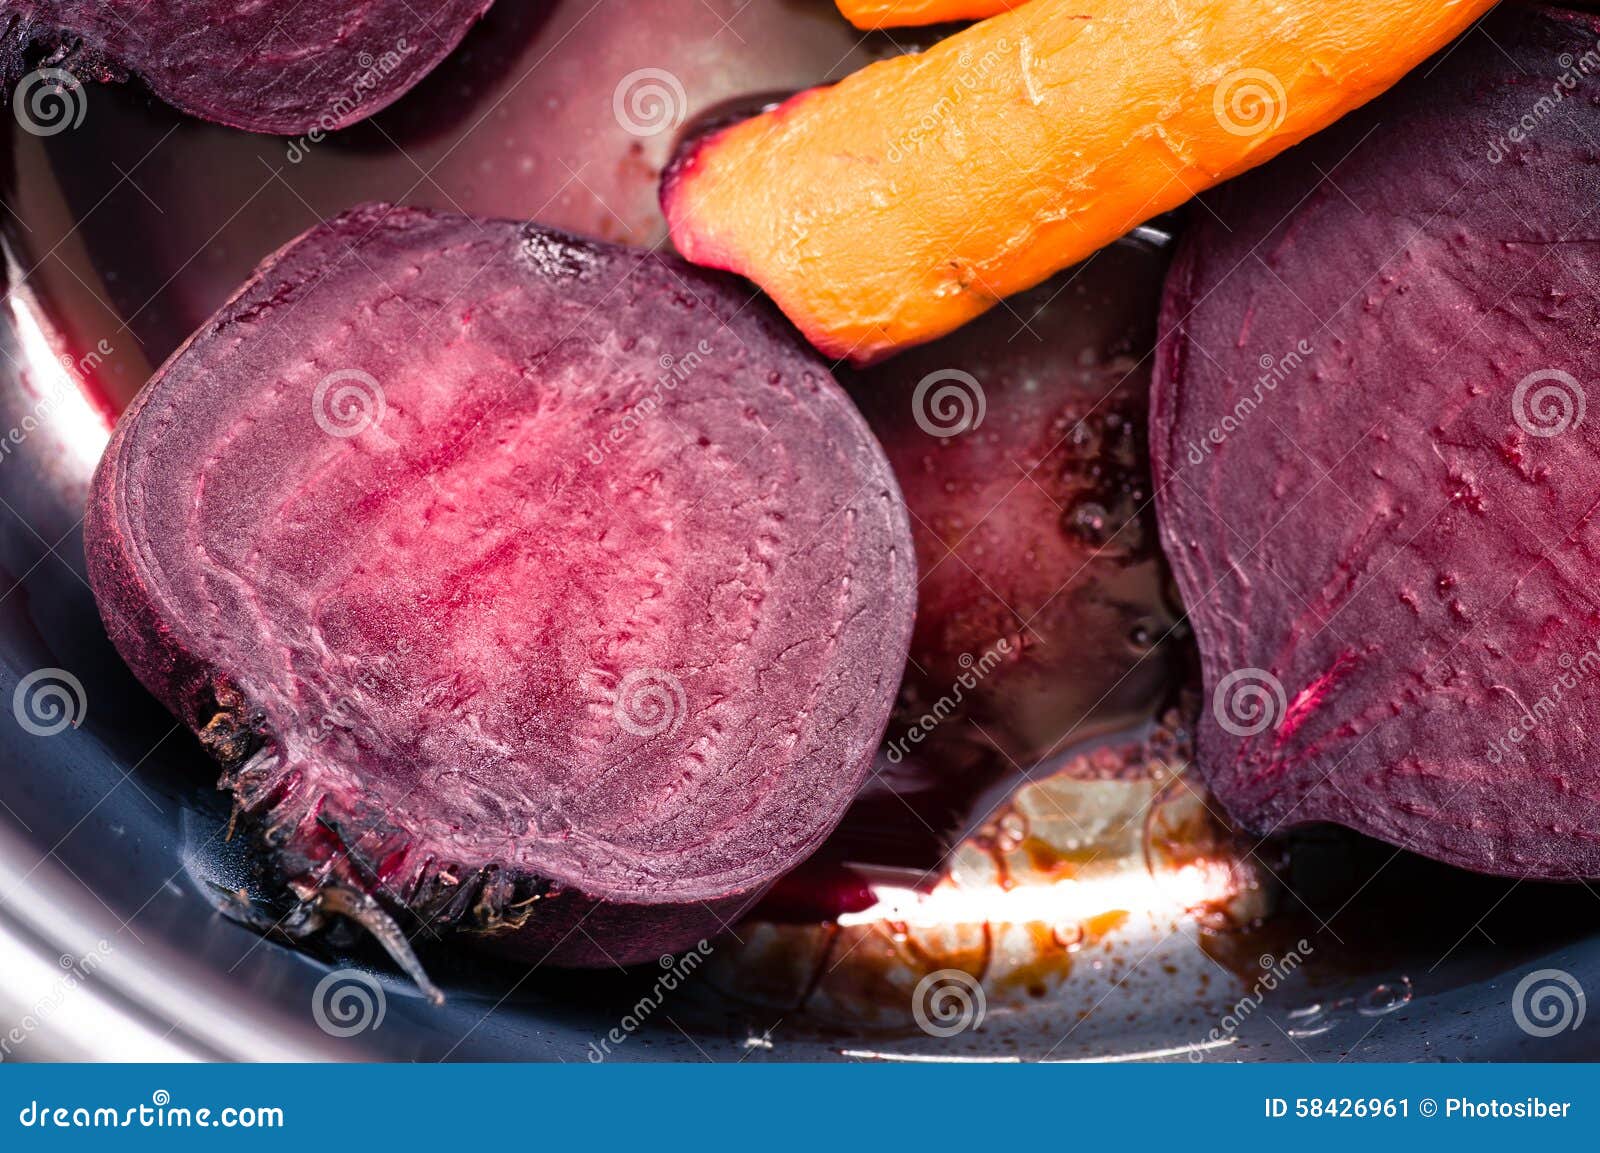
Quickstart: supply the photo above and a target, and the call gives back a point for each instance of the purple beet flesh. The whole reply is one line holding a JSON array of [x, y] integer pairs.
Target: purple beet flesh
[[276, 66], [527, 586], [1375, 478]]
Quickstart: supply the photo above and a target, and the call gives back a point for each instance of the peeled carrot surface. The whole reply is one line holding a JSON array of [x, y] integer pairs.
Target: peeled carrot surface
[[893, 13], [903, 201]]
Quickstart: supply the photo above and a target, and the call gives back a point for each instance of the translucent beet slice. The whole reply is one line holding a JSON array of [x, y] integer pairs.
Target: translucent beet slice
[[1375, 474], [539, 588], [266, 66]]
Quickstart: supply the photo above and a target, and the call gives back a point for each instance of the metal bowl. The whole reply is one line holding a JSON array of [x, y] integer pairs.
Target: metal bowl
[[123, 233]]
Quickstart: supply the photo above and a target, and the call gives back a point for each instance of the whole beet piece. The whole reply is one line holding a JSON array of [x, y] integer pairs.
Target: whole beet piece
[[532, 587], [267, 66], [1375, 475]]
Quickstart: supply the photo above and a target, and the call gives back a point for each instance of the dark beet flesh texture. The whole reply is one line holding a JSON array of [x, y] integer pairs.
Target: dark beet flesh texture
[[1376, 480], [540, 588], [266, 66]]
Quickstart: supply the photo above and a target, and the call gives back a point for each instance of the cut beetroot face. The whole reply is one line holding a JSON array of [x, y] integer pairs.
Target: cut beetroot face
[[538, 588], [1376, 476], [273, 66]]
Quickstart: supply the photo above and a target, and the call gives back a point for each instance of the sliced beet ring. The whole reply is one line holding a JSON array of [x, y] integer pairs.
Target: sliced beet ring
[[540, 588]]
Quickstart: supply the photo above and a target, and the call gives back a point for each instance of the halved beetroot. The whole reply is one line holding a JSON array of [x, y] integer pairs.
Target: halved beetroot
[[1376, 479], [266, 66], [540, 588]]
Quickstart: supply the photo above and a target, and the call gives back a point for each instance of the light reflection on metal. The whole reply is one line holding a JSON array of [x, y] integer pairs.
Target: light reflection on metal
[[52, 391], [1173, 1051], [1053, 903], [1076, 877]]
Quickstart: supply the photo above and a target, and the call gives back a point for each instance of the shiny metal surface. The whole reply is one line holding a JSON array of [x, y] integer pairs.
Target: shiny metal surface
[[113, 843]]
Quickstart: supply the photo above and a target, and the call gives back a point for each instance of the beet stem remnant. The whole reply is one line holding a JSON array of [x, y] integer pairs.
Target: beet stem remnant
[[358, 906]]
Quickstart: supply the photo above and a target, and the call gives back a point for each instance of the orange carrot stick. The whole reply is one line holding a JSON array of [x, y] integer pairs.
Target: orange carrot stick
[[893, 13], [898, 204]]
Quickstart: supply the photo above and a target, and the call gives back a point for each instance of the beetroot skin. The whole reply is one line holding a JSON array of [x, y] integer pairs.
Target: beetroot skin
[[1376, 479], [274, 66], [537, 588]]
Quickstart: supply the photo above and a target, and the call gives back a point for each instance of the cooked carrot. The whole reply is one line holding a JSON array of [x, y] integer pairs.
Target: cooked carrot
[[892, 13], [898, 204]]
